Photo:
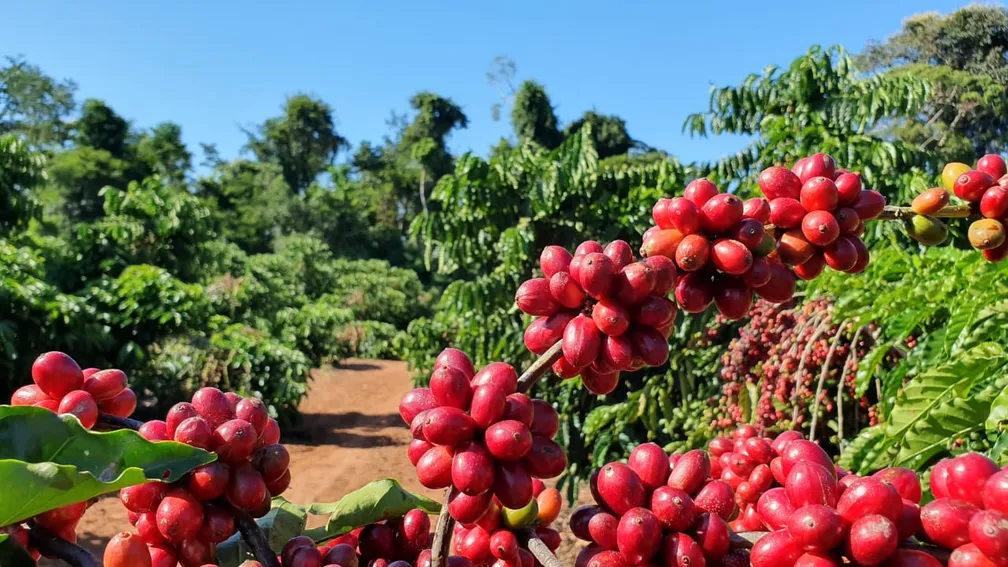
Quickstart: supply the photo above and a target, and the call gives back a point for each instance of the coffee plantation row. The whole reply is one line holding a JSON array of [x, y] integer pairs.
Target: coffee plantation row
[[196, 483]]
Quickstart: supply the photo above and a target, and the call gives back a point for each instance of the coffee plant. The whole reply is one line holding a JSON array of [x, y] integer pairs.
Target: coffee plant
[[765, 495]]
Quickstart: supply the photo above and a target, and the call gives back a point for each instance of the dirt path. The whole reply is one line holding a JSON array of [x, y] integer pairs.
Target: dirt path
[[352, 434]]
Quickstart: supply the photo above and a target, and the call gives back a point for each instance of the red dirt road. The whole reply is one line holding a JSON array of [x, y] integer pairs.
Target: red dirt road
[[352, 434]]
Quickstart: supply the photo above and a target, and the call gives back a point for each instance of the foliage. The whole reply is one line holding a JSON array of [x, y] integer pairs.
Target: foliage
[[59, 462], [20, 169], [34, 105], [819, 103], [941, 390], [303, 141]]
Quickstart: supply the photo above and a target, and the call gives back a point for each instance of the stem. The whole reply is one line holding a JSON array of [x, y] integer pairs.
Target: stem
[[806, 352], [539, 550], [442, 535], [52, 545], [533, 373], [851, 356], [252, 535], [112, 422], [744, 540], [822, 378], [948, 212]]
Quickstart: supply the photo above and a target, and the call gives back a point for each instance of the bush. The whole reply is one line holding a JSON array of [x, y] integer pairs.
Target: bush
[[374, 339], [237, 358]]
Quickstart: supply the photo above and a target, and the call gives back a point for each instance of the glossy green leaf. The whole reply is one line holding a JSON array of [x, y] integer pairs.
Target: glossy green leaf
[[53, 461], [998, 416], [377, 500]]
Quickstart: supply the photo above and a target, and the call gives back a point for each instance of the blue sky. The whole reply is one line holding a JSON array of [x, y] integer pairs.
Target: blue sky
[[214, 66]]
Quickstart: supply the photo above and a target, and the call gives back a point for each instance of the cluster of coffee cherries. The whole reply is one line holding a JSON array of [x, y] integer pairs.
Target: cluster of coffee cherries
[[62, 387], [970, 512], [609, 311], [657, 509], [494, 538], [819, 212], [721, 248], [182, 522], [475, 433], [398, 542], [985, 188]]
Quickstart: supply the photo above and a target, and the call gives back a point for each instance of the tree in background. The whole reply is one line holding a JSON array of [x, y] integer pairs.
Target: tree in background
[[34, 105], [963, 56], [303, 141], [164, 152]]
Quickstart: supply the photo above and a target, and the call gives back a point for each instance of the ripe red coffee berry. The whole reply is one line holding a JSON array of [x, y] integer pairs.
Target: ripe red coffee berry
[[105, 384], [610, 317], [970, 186], [699, 191], [582, 341], [842, 255], [179, 516], [209, 481], [820, 228], [552, 260], [872, 540], [126, 550], [121, 405], [694, 292], [993, 165], [904, 480], [212, 405], [946, 521], [534, 297], [247, 488], [81, 405], [508, 440], [810, 483], [194, 431], [848, 188], [816, 528], [819, 194], [786, 212], [775, 549], [57, 374], [721, 213], [177, 414], [254, 411], [692, 253], [988, 530], [939, 478], [967, 476], [673, 507], [596, 274], [994, 203], [995, 492], [638, 535], [733, 298], [680, 550], [870, 495], [757, 209], [731, 256], [777, 182], [969, 555], [817, 165], [869, 204], [651, 464], [619, 488]]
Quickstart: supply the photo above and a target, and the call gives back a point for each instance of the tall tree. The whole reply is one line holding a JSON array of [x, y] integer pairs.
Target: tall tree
[[963, 56], [608, 132], [33, 105], [249, 202], [102, 128], [303, 141], [164, 152], [533, 118]]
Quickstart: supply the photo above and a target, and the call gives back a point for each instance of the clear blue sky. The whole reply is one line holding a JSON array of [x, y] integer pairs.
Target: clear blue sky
[[215, 65]]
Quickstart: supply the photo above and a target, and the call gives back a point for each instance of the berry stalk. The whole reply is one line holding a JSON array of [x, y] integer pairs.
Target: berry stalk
[[252, 535], [540, 550], [113, 422], [542, 364], [442, 534], [893, 212], [51, 545]]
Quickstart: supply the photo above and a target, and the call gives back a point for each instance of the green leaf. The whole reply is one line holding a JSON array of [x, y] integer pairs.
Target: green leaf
[[53, 461], [999, 452], [998, 412], [938, 405], [866, 450], [377, 500], [12, 554], [284, 521]]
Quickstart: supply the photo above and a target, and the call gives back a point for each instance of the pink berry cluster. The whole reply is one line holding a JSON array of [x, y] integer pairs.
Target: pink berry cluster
[[986, 189], [657, 509], [609, 311], [396, 542], [492, 539], [182, 522], [62, 387], [475, 433], [819, 212], [970, 512]]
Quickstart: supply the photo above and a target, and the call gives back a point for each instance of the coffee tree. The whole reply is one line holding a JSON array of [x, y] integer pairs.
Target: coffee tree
[[204, 484]]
